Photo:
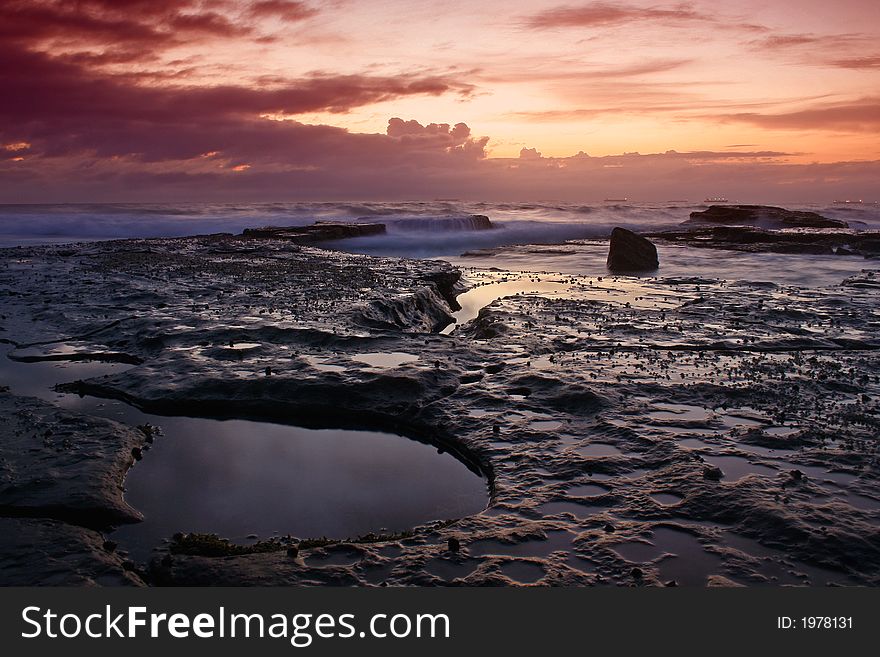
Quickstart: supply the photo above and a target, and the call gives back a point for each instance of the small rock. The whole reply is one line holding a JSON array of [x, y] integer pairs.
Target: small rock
[[637, 573], [797, 475], [453, 544], [137, 453], [268, 371], [671, 583], [712, 473], [608, 528], [293, 552], [109, 546]]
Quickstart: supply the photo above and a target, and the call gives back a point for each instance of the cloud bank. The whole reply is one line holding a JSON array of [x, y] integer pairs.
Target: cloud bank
[[115, 100]]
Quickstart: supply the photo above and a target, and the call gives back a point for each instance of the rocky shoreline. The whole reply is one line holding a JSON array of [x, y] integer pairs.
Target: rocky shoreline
[[768, 229], [62, 477], [626, 425]]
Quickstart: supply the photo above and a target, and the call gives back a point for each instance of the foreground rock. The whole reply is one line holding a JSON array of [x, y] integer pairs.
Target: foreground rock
[[630, 252], [320, 231], [763, 216], [63, 465], [37, 552], [61, 477]]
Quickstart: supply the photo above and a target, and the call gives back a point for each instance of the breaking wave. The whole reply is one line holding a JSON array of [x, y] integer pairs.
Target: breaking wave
[[437, 224], [434, 228]]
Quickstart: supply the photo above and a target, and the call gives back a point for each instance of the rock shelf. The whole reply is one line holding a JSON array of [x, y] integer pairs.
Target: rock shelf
[[778, 384]]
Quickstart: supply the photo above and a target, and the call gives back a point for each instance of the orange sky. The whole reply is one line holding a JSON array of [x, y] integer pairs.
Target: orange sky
[[637, 83], [120, 98]]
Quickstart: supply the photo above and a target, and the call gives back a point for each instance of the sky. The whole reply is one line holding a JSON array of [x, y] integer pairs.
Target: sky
[[225, 100]]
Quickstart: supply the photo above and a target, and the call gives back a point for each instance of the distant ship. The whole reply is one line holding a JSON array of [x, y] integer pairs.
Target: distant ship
[[616, 200], [715, 199], [848, 202]]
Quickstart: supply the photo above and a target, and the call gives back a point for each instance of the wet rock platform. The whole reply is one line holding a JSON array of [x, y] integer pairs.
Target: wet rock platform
[[635, 431], [321, 231]]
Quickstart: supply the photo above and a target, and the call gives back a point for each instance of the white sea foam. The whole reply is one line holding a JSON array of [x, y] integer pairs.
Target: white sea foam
[[419, 229]]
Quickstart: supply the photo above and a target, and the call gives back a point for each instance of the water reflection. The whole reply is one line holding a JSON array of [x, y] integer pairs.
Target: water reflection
[[239, 478]]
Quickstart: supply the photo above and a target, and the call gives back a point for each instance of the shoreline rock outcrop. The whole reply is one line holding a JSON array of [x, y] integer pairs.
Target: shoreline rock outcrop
[[61, 485], [759, 240], [762, 216], [320, 231], [631, 252], [63, 465]]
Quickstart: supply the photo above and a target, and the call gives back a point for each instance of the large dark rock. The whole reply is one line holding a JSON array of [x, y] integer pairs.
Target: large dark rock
[[763, 216], [320, 231], [631, 252]]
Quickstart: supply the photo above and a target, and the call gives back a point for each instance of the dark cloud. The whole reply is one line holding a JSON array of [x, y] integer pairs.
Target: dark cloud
[[319, 162], [862, 115], [114, 31], [66, 117], [834, 50], [607, 14], [577, 72], [209, 23], [437, 138], [868, 62], [92, 110], [108, 23], [286, 10], [402, 129], [62, 106], [786, 41], [597, 14]]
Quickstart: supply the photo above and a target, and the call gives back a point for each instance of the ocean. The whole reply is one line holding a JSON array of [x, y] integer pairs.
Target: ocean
[[420, 229]]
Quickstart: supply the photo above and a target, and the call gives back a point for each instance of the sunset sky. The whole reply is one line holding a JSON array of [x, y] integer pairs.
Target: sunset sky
[[154, 100]]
